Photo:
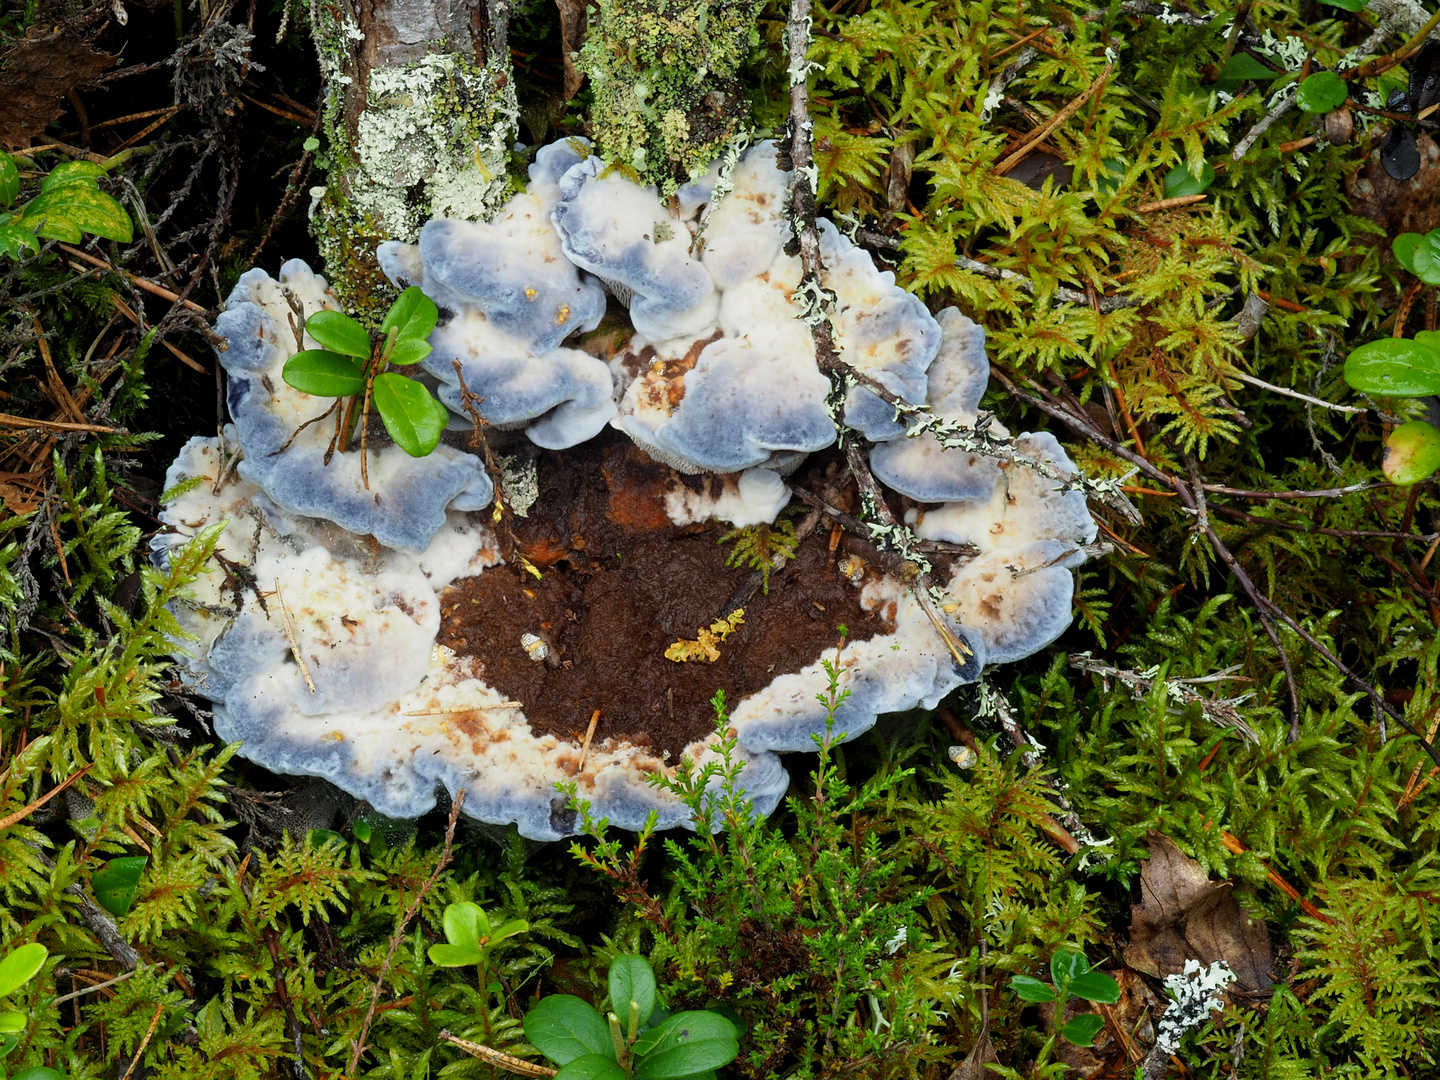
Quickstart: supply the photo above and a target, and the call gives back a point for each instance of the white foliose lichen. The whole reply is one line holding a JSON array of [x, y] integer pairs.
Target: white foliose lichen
[[1197, 992]]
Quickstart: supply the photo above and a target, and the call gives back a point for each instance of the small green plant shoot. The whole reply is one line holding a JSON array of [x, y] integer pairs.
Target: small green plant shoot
[[70, 203], [1073, 977], [471, 938], [17, 968], [646, 1045], [1405, 367], [352, 367]]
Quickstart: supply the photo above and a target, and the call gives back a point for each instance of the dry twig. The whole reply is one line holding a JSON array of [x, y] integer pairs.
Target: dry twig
[[358, 1046]]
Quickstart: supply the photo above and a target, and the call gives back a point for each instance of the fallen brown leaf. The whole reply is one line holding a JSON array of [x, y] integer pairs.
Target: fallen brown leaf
[[973, 1067], [35, 75], [1183, 915]]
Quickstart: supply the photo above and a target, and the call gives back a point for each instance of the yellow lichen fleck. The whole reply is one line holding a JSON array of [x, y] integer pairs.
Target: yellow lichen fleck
[[706, 644]]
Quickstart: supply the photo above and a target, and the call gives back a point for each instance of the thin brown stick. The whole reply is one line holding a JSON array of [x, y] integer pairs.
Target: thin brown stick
[[1235, 846], [140, 282], [514, 1065], [30, 808], [56, 425], [589, 734], [58, 389], [313, 420], [364, 431], [1170, 204], [287, 624], [1315, 493], [91, 989], [358, 1047], [1054, 122], [149, 1033]]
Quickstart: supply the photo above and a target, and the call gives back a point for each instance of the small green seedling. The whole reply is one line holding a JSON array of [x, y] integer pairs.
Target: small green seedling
[[1405, 367], [471, 940], [353, 368], [1073, 977], [647, 1045], [70, 203], [17, 968]]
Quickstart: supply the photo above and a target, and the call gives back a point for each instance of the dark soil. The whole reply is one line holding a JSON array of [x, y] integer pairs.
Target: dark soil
[[620, 585]]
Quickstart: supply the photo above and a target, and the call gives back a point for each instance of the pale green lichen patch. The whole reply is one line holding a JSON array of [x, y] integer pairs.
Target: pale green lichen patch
[[433, 141], [665, 79]]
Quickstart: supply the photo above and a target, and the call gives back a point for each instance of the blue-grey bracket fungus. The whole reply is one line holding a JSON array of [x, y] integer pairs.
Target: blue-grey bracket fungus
[[382, 637], [405, 501]]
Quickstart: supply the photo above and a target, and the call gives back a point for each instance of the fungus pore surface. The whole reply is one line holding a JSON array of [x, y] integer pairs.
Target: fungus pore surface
[[650, 401]]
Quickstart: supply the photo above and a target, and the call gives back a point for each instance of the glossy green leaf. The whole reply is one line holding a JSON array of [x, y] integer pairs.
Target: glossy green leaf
[[1067, 964], [631, 980], [1095, 986], [466, 924], [20, 965], [322, 838], [9, 180], [1404, 247], [1424, 257], [411, 351], [361, 830], [64, 212], [1242, 67], [508, 930], [324, 374], [700, 1025], [1348, 5], [454, 955], [1180, 182], [1412, 453], [591, 1067], [11, 1022], [413, 316], [73, 172], [687, 1059], [8, 1043], [338, 332], [1082, 1029], [115, 883], [37, 1072], [1028, 989], [15, 239], [414, 419], [563, 1028], [1395, 367], [1321, 92]]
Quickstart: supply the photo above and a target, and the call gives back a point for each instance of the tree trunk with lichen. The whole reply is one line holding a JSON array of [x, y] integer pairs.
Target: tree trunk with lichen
[[419, 115], [420, 109]]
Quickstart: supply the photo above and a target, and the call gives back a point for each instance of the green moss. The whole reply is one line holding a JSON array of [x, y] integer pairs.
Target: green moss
[[665, 75]]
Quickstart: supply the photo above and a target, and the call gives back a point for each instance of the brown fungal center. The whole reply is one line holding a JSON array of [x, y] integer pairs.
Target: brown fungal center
[[620, 584]]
